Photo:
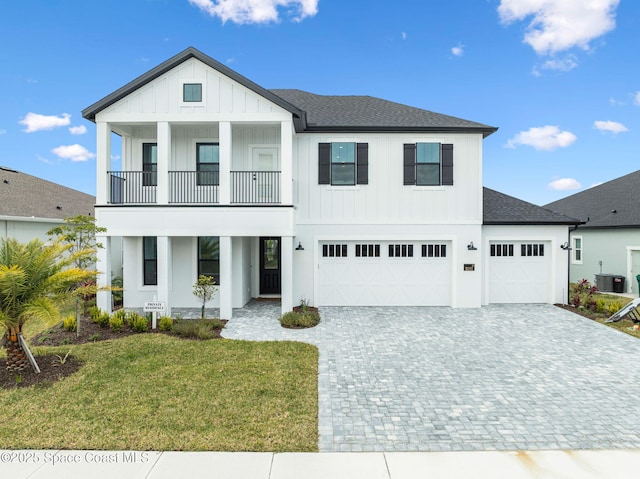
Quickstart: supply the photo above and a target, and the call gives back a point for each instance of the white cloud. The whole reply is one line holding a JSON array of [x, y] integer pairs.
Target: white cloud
[[458, 50], [73, 152], [78, 130], [256, 11], [404, 35], [636, 98], [611, 126], [615, 102], [565, 184], [546, 137], [115, 157], [596, 184], [36, 122], [565, 64], [3, 131], [559, 25]]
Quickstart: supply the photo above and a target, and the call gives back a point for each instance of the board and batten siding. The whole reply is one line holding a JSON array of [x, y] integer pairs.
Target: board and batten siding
[[161, 99], [385, 199]]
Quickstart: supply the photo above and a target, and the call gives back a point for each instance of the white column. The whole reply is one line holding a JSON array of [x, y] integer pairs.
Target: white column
[[286, 273], [103, 266], [164, 271], [103, 161], [224, 194], [226, 281], [164, 157], [286, 162]]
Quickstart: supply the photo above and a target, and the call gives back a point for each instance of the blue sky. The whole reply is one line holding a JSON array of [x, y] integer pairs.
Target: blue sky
[[560, 78]]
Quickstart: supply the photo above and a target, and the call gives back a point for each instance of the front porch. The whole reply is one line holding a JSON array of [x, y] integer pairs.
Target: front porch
[[164, 269]]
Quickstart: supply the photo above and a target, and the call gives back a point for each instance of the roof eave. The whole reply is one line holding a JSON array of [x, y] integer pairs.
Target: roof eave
[[399, 129], [532, 223]]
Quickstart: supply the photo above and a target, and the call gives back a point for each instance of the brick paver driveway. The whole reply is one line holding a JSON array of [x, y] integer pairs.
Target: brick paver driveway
[[437, 379]]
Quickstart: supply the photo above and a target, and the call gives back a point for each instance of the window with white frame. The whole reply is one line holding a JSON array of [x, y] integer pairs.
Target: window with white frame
[[577, 250]]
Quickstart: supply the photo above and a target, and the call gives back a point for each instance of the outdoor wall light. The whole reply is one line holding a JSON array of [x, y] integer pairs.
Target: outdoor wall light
[[471, 247], [565, 246], [299, 247]]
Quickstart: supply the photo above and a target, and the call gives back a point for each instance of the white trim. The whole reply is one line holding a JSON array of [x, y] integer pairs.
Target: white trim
[[193, 103], [31, 219], [574, 249], [630, 277]]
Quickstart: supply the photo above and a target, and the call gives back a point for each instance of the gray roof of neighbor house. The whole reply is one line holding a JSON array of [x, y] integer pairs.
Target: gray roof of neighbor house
[[314, 112], [614, 204], [501, 209], [27, 196]]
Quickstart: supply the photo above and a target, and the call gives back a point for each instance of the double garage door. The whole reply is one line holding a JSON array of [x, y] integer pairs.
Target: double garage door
[[519, 272], [384, 273]]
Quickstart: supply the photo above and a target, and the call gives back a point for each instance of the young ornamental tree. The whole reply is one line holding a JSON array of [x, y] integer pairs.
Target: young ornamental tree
[[34, 280], [79, 233], [204, 289]]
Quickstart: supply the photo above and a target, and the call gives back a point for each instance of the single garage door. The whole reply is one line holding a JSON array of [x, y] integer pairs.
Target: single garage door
[[519, 272], [384, 273]]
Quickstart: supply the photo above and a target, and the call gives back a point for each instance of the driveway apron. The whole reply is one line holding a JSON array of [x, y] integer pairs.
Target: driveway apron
[[502, 377]]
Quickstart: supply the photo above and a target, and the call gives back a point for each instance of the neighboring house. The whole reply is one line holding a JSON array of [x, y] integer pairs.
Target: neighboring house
[[609, 240], [30, 206], [336, 200]]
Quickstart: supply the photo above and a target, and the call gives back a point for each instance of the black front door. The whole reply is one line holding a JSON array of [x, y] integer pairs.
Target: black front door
[[269, 265]]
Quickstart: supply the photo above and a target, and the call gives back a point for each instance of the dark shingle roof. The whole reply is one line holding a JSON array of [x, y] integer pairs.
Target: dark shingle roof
[[615, 204], [356, 113], [313, 112], [27, 196], [501, 209]]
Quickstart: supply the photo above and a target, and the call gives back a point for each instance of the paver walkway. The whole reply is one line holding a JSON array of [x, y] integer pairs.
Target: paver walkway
[[504, 377]]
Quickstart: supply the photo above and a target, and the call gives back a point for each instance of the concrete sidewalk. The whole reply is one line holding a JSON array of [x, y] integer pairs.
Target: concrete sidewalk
[[584, 464]]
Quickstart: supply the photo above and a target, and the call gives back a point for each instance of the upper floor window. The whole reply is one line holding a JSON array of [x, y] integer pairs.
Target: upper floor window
[[150, 260], [192, 92], [577, 250], [208, 163], [428, 164], [149, 164], [343, 163], [209, 257]]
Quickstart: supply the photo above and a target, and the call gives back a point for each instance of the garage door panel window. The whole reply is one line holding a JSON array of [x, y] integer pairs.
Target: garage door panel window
[[368, 250], [400, 251], [501, 250], [334, 250], [434, 251], [532, 249]]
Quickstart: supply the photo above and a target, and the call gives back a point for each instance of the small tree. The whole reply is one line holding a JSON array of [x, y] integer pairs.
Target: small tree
[[79, 233], [204, 289]]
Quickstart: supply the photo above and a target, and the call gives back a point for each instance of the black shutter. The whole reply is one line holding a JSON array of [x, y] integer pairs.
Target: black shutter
[[324, 163], [409, 164], [362, 162], [447, 164]]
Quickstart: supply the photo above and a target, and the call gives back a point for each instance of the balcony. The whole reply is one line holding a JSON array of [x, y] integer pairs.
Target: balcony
[[194, 187]]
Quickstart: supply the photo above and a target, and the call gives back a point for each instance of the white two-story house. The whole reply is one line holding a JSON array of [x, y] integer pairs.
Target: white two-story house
[[335, 200]]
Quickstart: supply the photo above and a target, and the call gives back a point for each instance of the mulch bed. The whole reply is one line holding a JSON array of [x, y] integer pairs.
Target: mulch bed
[[51, 370], [582, 312]]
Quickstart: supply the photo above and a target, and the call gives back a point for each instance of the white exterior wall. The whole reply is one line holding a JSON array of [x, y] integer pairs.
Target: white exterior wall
[[386, 200], [26, 229], [555, 235]]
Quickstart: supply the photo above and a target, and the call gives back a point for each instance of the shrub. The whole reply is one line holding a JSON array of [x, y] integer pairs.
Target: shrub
[[300, 319], [614, 307], [116, 323], [104, 319], [601, 306], [197, 329], [165, 323], [139, 323], [70, 323], [581, 294], [121, 313], [94, 337], [94, 313]]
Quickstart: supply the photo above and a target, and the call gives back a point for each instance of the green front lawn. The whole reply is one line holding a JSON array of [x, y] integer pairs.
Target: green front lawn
[[156, 392]]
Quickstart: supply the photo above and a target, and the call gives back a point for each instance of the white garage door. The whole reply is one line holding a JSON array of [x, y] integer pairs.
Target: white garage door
[[519, 272], [391, 273]]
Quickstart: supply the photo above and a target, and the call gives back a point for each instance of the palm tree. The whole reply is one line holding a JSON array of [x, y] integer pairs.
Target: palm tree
[[34, 280]]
